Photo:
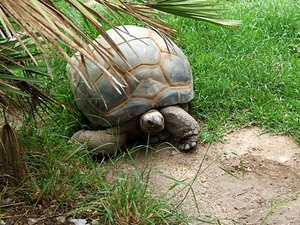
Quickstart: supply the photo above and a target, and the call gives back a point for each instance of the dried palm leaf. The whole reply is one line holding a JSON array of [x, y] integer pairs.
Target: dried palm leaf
[[196, 9], [12, 152]]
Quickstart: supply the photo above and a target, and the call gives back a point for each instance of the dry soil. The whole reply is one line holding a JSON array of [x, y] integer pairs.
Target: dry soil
[[238, 181]]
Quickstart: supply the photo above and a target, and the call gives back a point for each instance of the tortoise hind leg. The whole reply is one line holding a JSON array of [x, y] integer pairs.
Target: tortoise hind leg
[[103, 142], [181, 125]]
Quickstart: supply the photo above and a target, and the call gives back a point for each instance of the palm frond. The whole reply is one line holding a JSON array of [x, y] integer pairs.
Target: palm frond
[[203, 10]]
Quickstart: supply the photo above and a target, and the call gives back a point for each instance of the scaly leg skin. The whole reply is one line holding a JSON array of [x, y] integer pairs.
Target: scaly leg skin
[[103, 142], [182, 126]]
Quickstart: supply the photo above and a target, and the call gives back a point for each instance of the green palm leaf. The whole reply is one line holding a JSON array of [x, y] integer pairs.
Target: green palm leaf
[[194, 9]]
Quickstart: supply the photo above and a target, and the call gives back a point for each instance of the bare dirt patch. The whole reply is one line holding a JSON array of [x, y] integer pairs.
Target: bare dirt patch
[[267, 170]]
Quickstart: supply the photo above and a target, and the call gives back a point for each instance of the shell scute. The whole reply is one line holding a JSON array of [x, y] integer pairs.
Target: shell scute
[[144, 72], [124, 34], [148, 89], [131, 107], [175, 70], [139, 52]]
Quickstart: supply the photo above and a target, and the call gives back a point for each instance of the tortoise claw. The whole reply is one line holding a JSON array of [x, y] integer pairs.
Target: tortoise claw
[[187, 146]]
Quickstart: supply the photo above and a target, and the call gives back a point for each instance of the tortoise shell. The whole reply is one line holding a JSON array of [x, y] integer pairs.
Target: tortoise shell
[[158, 75]]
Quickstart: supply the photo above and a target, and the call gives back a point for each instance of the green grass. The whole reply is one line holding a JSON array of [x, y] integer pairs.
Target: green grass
[[243, 77], [248, 76]]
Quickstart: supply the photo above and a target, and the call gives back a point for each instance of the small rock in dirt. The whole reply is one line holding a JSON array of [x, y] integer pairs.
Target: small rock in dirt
[[94, 222], [61, 219], [32, 221], [79, 221], [7, 201], [284, 159]]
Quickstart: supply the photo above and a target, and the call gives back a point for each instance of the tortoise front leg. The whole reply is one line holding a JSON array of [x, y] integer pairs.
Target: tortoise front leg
[[104, 142], [182, 126]]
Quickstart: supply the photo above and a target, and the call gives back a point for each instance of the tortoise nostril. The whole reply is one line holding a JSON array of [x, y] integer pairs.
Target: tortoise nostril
[[150, 122]]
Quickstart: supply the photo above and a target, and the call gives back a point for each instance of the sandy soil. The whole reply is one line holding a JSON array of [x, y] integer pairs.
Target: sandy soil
[[267, 170]]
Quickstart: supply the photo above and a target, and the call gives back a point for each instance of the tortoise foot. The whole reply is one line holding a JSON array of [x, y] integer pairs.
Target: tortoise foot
[[182, 126], [101, 142]]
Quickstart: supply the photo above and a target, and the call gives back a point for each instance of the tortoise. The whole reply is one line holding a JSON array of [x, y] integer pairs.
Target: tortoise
[[153, 103]]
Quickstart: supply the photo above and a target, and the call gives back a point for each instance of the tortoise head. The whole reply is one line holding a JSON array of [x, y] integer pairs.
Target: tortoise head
[[152, 122]]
